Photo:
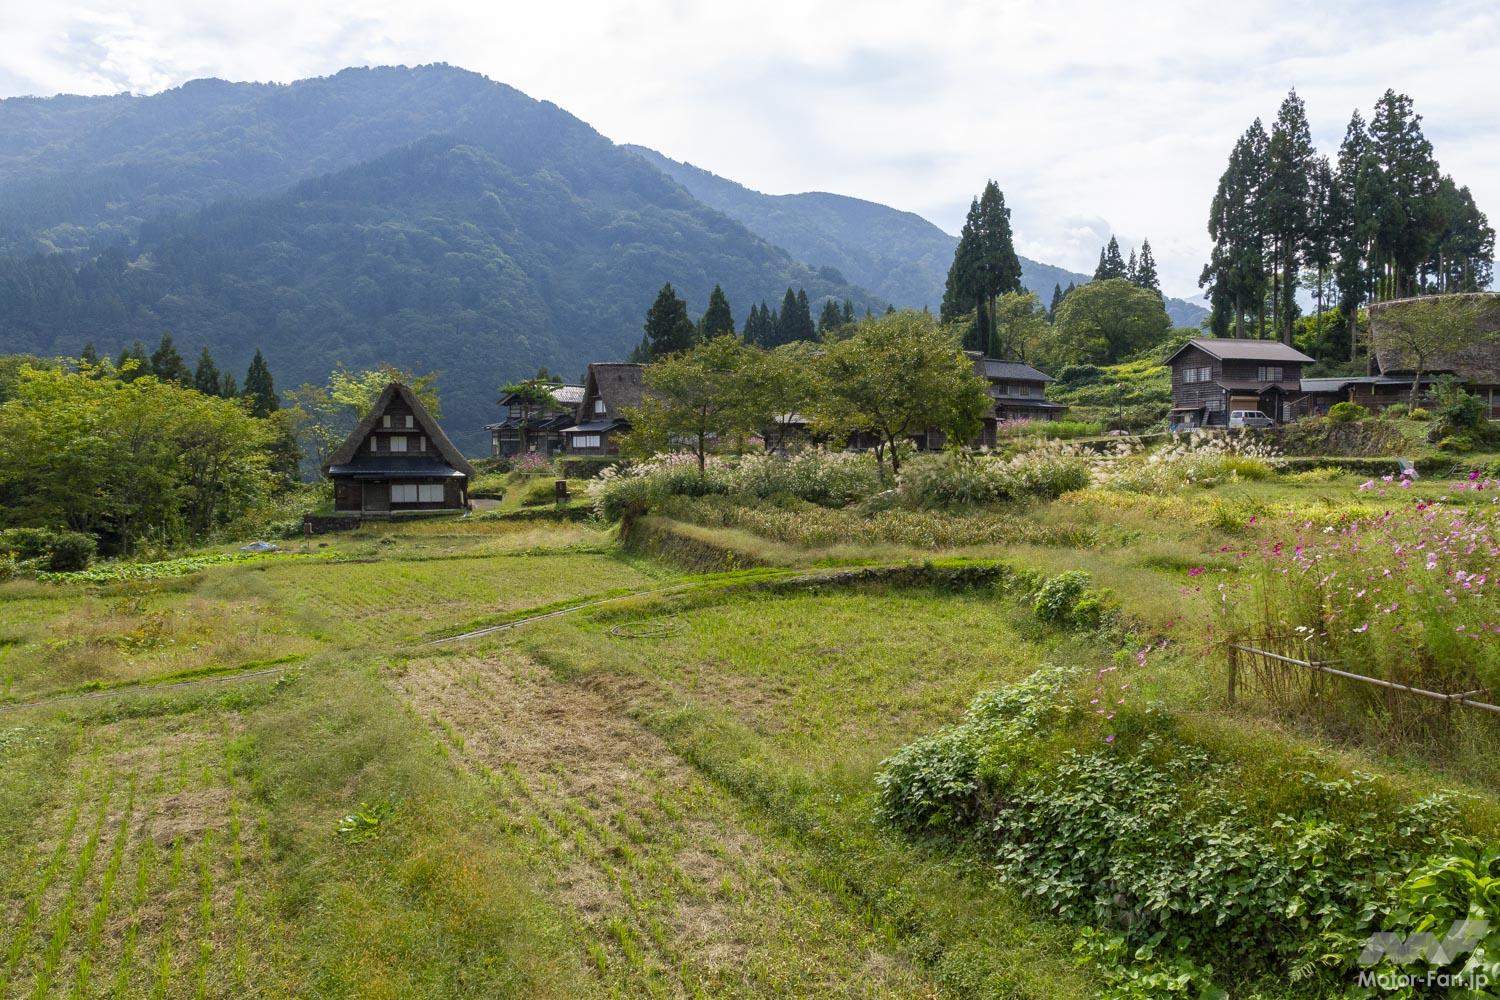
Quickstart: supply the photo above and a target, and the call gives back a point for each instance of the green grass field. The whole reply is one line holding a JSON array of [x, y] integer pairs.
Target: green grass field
[[258, 779]]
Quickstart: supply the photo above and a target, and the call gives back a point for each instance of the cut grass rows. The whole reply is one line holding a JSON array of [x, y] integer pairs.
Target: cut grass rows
[[675, 893], [135, 897]]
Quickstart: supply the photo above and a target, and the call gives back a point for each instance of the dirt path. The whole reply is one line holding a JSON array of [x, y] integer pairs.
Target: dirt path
[[671, 886]]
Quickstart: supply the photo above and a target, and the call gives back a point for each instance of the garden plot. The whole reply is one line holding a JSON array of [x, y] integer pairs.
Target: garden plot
[[673, 886], [145, 876]]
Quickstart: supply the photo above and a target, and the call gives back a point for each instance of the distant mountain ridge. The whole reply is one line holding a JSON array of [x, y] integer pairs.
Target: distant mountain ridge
[[896, 254], [428, 217], [476, 231]]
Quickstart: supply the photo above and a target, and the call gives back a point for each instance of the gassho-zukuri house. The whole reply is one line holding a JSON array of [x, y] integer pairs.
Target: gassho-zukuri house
[[398, 460]]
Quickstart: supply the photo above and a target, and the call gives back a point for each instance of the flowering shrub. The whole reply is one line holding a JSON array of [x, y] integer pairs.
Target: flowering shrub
[[1191, 460], [1409, 594], [949, 480], [825, 478], [531, 463]]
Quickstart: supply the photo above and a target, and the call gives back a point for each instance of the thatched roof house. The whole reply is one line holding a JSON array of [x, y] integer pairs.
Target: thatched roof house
[[610, 389], [398, 459]]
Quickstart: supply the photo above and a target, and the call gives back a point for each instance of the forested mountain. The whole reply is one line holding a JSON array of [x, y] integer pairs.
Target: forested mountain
[[895, 254], [511, 236]]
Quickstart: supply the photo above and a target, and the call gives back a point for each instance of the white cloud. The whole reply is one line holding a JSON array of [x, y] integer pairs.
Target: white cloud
[[1093, 117]]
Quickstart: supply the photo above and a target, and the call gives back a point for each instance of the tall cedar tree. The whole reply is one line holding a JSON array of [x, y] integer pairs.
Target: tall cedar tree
[[167, 364], [755, 325], [849, 306], [1130, 266], [1234, 276], [1145, 270], [718, 319], [1284, 204], [668, 329], [1057, 297], [1349, 228], [831, 318], [1111, 264], [228, 387], [206, 377], [259, 389], [1317, 248], [985, 266]]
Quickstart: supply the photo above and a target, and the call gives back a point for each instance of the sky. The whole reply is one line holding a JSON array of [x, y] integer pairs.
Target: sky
[[1094, 118]]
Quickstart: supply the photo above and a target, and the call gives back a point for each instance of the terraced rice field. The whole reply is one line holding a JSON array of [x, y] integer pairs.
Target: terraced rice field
[[671, 883], [146, 876]]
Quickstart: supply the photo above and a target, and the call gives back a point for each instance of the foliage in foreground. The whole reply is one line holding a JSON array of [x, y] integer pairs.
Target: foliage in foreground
[[1185, 883], [950, 480], [825, 478]]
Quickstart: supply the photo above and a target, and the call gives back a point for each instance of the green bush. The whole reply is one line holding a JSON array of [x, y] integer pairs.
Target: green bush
[[54, 551], [1419, 413], [1184, 881], [1395, 411], [1346, 412], [1067, 599], [950, 480], [584, 466], [1458, 444]]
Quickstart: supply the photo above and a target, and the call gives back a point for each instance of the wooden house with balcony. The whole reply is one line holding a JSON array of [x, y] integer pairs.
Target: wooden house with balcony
[[532, 425], [398, 460], [1212, 376], [609, 390]]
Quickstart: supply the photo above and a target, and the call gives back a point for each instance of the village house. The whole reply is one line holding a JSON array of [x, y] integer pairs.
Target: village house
[[609, 390], [1213, 376], [534, 427], [1019, 392], [398, 460]]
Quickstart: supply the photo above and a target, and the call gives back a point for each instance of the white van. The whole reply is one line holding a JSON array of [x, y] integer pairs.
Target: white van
[[1249, 418]]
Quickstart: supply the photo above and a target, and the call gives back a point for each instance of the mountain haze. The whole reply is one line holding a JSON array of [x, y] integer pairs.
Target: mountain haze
[[478, 232], [896, 254]]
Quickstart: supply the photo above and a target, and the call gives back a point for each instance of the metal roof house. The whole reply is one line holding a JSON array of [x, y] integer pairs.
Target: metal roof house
[[530, 426], [1212, 376], [398, 460]]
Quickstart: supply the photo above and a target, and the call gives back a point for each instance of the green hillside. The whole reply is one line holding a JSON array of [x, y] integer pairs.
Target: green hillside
[[518, 238], [898, 255]]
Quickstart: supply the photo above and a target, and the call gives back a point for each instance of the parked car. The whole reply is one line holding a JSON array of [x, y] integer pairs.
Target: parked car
[[1249, 418]]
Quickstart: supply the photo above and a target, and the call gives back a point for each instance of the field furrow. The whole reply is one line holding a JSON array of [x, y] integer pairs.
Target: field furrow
[[666, 875]]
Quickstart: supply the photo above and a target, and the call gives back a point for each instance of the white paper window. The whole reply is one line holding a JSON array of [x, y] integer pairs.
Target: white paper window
[[403, 493], [422, 443], [398, 442], [599, 406], [408, 422], [385, 421], [373, 440], [430, 493], [585, 440]]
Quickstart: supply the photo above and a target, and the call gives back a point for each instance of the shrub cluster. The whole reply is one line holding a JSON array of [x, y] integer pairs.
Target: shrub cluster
[[951, 480], [1193, 459], [1158, 848], [47, 550], [827, 479], [1346, 412]]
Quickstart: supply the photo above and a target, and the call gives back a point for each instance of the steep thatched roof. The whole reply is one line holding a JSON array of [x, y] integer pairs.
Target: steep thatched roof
[[350, 448], [1476, 361], [622, 386]]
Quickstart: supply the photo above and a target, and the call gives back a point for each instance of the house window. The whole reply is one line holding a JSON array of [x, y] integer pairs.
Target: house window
[[374, 442], [1197, 374], [585, 440], [403, 493], [1268, 373], [422, 442], [599, 406], [1215, 403], [398, 442], [385, 421], [407, 421], [430, 493]]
